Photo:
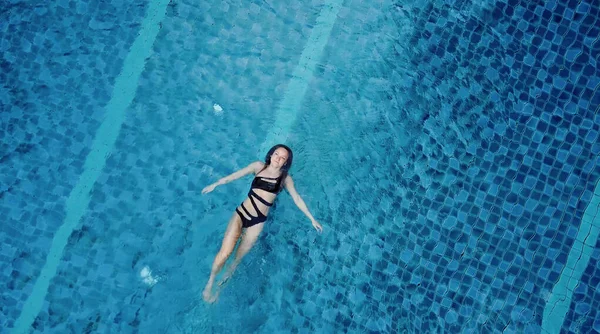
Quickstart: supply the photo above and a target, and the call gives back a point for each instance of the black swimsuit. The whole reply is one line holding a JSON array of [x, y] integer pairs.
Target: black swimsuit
[[259, 182]]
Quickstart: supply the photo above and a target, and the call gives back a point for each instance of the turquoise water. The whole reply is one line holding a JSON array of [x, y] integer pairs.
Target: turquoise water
[[449, 148]]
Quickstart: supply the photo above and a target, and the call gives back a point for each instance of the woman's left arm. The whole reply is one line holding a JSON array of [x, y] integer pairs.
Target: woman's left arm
[[289, 185]]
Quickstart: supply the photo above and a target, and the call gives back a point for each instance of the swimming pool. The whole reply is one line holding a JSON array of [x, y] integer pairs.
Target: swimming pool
[[449, 148]]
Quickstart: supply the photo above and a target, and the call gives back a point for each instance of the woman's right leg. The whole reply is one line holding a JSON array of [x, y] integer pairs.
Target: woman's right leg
[[234, 229]]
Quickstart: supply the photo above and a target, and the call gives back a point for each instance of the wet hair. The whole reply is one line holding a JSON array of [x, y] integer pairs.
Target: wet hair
[[286, 167]]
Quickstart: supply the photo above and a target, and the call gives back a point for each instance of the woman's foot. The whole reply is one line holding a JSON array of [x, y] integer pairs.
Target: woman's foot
[[206, 294], [214, 297]]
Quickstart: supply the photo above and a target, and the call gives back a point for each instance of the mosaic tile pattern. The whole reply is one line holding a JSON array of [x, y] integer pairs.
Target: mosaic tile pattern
[[493, 149], [58, 65], [449, 147]]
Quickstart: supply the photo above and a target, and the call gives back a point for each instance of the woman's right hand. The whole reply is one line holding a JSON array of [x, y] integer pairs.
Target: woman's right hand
[[209, 188]]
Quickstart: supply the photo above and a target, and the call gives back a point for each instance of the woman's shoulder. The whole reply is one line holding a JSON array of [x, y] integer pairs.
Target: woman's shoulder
[[257, 166]]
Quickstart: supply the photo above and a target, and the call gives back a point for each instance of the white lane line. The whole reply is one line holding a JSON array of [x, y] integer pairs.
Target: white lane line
[[287, 112], [559, 302], [123, 93]]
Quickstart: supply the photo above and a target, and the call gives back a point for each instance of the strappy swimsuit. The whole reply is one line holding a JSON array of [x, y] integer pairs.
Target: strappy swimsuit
[[259, 182]]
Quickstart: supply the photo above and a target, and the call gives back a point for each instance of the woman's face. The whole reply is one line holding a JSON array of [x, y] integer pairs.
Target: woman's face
[[279, 157]]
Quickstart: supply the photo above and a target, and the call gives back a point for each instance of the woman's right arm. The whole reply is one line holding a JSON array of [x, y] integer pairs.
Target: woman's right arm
[[251, 168]]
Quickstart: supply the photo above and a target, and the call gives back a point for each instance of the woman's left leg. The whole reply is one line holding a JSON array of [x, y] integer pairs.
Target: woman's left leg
[[249, 238], [234, 229]]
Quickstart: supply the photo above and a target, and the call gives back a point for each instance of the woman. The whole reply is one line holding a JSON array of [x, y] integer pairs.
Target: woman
[[252, 213]]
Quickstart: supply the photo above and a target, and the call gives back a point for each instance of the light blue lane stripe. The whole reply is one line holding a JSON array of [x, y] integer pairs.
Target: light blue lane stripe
[[77, 203], [558, 305], [303, 73]]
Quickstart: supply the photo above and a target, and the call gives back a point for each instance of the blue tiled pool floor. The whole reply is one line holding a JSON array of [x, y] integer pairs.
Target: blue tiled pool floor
[[490, 165], [58, 66], [450, 149], [102, 146]]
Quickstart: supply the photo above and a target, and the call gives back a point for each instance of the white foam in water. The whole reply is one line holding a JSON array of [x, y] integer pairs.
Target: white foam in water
[[218, 109], [146, 275]]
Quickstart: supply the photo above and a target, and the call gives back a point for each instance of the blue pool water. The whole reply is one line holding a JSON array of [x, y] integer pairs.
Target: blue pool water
[[449, 148]]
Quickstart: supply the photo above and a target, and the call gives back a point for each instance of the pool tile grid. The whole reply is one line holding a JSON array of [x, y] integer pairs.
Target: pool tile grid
[[517, 174], [43, 53], [78, 200], [501, 188]]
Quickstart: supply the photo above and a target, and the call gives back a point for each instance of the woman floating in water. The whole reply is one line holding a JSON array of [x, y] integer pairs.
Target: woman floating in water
[[271, 177]]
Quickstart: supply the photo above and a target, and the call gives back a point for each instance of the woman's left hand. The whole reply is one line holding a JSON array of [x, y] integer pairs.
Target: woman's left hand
[[208, 188], [317, 226]]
